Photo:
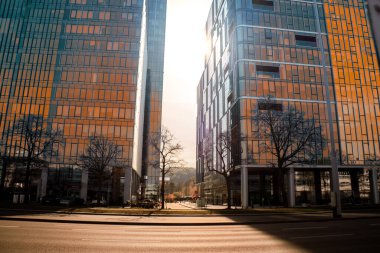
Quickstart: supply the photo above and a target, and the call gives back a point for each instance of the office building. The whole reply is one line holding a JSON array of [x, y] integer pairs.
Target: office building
[[291, 50], [156, 12], [86, 67]]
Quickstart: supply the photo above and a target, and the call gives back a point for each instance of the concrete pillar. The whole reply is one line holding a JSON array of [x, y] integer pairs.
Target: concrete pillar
[[292, 190], [127, 185], [354, 176], [244, 187], [44, 178], [317, 187], [374, 186], [84, 186]]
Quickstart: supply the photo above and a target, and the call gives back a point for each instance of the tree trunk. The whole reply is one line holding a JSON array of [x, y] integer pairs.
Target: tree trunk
[[279, 192], [228, 184], [26, 182], [276, 187], [163, 190]]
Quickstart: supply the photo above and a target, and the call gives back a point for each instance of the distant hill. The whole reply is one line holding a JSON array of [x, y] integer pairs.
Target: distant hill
[[182, 179]]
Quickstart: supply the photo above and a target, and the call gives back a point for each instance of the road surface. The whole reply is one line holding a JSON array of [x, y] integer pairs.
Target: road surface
[[358, 235]]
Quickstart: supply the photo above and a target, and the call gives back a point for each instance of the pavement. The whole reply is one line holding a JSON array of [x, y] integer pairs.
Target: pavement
[[184, 219]]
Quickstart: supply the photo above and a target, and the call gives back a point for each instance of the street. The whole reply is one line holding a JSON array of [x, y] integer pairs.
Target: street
[[356, 235]]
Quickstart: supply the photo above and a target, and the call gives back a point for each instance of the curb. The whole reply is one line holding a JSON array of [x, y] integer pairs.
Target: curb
[[6, 211], [232, 223], [37, 211], [121, 223]]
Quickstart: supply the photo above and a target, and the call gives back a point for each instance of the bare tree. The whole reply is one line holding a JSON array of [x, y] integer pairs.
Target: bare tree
[[168, 149], [35, 142], [223, 149], [289, 137], [99, 157]]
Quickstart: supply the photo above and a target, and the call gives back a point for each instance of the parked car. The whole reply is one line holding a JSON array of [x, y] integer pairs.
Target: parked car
[[71, 201], [50, 200], [143, 203], [102, 202]]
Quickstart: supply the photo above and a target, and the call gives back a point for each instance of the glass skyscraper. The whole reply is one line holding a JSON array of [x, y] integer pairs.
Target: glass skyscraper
[[291, 50], [87, 67], [153, 99]]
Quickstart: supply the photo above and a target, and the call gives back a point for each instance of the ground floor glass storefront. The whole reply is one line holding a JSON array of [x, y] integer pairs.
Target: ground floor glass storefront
[[57, 181], [311, 187]]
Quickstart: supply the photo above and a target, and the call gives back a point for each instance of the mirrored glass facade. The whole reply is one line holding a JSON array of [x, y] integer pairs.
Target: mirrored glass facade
[[290, 50], [79, 64], [156, 19]]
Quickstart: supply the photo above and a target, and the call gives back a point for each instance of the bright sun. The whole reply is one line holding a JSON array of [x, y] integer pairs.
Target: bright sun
[[184, 62], [186, 40]]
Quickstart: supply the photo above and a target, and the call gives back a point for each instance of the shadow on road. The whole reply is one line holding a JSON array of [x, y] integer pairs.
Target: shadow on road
[[34, 208], [308, 230], [317, 231]]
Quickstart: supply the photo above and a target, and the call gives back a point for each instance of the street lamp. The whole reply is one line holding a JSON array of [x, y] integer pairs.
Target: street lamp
[[334, 176]]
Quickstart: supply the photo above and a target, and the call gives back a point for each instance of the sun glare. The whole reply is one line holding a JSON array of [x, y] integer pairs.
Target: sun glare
[[184, 62], [186, 40]]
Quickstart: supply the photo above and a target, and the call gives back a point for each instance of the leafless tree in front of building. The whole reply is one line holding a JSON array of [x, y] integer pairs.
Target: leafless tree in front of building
[[34, 143], [165, 145], [223, 165], [289, 137], [99, 157]]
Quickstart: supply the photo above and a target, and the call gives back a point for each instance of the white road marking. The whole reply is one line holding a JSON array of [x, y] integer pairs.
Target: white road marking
[[321, 236], [3, 226], [303, 228], [375, 224], [123, 240], [99, 240]]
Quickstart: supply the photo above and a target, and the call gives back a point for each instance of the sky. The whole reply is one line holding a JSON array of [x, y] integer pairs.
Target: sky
[[184, 61]]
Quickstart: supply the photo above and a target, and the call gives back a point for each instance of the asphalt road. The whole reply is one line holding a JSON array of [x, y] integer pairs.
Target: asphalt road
[[361, 235]]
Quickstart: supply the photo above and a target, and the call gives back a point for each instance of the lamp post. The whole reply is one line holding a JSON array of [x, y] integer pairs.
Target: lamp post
[[334, 176]]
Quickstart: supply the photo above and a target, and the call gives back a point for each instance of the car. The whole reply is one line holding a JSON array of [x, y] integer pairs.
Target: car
[[71, 201], [65, 201], [95, 202], [145, 203], [50, 200]]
